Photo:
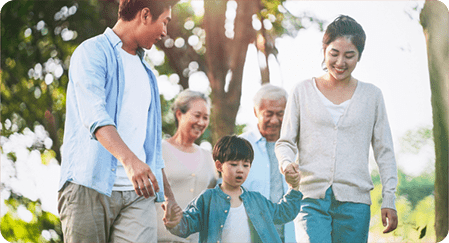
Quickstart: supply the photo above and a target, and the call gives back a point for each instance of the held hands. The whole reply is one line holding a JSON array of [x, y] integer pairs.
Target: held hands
[[172, 215], [142, 177], [389, 219], [292, 176]]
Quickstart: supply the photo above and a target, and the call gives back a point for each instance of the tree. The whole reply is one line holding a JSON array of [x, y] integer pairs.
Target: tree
[[38, 39], [218, 44], [435, 22]]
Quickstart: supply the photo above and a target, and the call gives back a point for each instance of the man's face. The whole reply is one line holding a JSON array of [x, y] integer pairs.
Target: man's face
[[152, 30], [269, 115]]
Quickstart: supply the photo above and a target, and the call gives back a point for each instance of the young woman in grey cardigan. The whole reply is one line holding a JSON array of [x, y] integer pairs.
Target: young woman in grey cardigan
[[330, 122]]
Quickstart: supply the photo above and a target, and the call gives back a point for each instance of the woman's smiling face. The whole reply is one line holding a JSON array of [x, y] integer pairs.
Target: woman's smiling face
[[341, 57], [194, 122]]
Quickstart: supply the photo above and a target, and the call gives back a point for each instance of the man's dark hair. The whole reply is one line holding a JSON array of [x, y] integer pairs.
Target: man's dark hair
[[233, 148], [129, 8]]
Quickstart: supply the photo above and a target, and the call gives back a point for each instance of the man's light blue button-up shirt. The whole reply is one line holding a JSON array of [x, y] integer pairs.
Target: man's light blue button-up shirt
[[94, 99]]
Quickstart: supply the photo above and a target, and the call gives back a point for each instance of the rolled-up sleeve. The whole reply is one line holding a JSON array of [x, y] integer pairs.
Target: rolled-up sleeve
[[88, 73]]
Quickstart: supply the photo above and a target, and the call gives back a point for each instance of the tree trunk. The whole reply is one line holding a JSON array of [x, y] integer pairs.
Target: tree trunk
[[226, 56], [435, 22]]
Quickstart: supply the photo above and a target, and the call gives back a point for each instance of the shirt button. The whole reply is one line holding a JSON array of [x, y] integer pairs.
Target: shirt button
[[335, 128], [228, 197], [193, 174], [221, 226], [113, 169], [191, 189], [226, 211]]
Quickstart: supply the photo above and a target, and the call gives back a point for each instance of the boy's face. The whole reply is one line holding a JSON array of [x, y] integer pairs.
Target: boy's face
[[234, 173]]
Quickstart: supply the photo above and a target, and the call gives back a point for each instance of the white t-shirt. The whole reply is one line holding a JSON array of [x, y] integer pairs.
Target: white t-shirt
[[236, 227], [132, 120], [336, 110]]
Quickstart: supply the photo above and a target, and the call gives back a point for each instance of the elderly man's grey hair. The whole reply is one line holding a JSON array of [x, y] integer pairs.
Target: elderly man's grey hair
[[184, 99], [269, 92]]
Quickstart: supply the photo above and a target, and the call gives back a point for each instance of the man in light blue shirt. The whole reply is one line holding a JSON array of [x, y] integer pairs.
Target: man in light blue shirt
[[265, 177], [112, 167]]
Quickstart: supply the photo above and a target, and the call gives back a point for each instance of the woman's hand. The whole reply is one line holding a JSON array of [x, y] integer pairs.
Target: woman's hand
[[392, 222], [292, 176]]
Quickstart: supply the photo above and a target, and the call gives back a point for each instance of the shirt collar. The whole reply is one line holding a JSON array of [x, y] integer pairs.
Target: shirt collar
[[226, 196], [116, 41], [258, 136]]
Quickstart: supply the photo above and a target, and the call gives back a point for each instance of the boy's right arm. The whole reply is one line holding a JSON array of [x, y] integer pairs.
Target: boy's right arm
[[189, 221]]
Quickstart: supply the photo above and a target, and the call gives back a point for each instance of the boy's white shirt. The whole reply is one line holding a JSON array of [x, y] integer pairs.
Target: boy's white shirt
[[236, 227]]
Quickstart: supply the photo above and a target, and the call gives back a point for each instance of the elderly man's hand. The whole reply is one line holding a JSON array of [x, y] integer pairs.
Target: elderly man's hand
[[292, 176]]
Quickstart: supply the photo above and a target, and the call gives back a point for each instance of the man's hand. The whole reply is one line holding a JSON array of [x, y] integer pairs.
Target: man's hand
[[137, 171], [389, 219], [172, 215], [142, 177], [292, 176]]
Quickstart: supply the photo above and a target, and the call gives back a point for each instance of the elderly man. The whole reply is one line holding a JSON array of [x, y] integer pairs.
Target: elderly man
[[265, 177]]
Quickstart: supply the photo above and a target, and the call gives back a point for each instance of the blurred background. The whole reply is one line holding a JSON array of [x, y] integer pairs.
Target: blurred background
[[226, 49]]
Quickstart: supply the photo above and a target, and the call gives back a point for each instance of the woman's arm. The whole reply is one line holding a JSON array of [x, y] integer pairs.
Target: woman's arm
[[286, 145], [382, 143]]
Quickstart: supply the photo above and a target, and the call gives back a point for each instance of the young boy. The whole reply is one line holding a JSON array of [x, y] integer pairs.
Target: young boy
[[229, 212]]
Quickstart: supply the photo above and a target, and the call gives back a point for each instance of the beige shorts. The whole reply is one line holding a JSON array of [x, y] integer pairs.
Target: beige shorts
[[89, 216]]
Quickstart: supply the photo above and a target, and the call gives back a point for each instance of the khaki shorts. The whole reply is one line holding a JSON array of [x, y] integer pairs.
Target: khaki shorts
[[89, 216]]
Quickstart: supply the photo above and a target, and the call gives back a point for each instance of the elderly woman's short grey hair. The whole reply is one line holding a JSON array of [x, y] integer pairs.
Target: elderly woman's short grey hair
[[269, 92], [184, 99]]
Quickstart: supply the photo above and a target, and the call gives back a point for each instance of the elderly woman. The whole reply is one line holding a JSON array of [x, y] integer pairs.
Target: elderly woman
[[190, 169]]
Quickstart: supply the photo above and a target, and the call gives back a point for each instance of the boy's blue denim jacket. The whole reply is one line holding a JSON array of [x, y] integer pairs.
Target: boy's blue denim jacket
[[208, 212], [94, 98]]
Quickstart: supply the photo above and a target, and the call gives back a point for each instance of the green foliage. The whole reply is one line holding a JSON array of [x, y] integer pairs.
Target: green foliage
[[38, 38], [415, 209], [414, 140], [43, 226], [168, 119], [416, 189]]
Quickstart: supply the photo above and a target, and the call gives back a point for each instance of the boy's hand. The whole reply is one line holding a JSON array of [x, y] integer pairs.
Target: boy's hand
[[292, 176], [391, 215], [172, 215]]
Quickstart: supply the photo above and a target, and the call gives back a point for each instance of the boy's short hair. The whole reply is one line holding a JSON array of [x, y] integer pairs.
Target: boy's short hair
[[129, 8], [233, 148]]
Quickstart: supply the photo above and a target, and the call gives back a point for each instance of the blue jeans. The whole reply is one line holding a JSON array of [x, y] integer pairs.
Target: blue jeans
[[328, 220]]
